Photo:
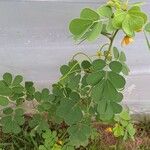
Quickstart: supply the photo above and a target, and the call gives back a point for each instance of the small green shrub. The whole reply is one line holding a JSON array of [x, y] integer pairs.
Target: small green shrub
[[89, 90]]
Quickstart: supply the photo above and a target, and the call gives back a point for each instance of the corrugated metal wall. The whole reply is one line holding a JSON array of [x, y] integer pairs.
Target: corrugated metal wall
[[34, 42]]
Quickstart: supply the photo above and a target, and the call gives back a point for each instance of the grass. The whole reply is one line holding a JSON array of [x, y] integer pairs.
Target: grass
[[104, 141]]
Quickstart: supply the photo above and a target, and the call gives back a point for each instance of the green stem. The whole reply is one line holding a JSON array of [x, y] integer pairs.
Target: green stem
[[33, 141], [64, 134], [148, 43], [111, 43], [81, 53], [65, 76], [119, 144], [103, 46], [106, 34]]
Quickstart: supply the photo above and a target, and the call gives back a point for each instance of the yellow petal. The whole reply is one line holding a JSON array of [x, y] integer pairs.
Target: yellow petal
[[109, 130], [126, 40]]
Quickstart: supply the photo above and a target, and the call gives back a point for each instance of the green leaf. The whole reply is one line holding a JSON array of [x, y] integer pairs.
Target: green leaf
[[105, 110], [87, 26], [11, 124], [125, 69], [6, 124], [83, 81], [117, 80], [79, 134], [131, 130], [86, 64], [95, 77], [57, 91], [79, 27], [19, 111], [50, 140], [18, 89], [74, 66], [4, 101], [105, 11], [97, 91], [30, 90], [98, 64], [45, 94], [89, 14], [124, 123], [7, 110], [39, 123], [130, 21], [74, 96], [147, 27], [20, 101], [17, 80], [74, 81], [4, 89], [127, 28], [115, 66], [38, 96], [135, 10], [116, 53], [109, 27], [110, 93], [102, 106], [118, 130], [117, 108], [118, 19], [119, 97], [125, 115], [68, 147], [64, 69], [69, 111], [7, 78], [28, 85], [122, 57], [96, 31]]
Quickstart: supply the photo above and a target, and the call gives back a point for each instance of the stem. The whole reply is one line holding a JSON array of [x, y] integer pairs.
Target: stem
[[81, 53], [103, 46], [34, 143], [119, 144], [63, 77], [111, 43], [106, 34], [64, 134]]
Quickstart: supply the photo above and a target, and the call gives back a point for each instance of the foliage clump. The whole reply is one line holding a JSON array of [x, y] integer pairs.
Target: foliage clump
[[90, 90]]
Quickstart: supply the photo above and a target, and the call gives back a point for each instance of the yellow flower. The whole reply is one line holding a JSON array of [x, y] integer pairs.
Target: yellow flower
[[126, 40], [109, 130]]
